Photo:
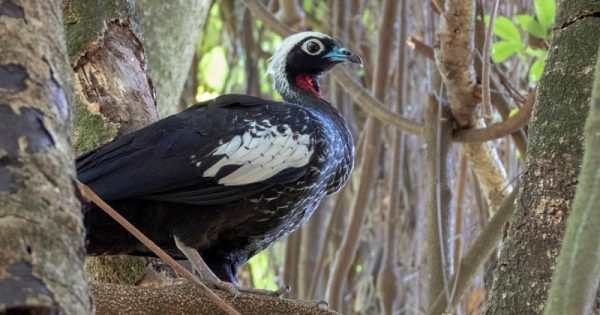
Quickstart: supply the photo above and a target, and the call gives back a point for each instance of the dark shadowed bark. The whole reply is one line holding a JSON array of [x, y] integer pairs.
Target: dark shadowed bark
[[41, 232], [170, 32], [524, 272]]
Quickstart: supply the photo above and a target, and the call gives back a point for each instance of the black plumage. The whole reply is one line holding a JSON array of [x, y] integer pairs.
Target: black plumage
[[229, 176]]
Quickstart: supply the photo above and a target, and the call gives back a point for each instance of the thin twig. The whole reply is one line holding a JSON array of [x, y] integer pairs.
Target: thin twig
[[91, 195], [498, 130], [478, 254], [485, 69], [437, 139], [420, 47]]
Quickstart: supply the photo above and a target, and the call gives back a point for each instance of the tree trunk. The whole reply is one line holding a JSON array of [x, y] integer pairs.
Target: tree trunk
[[41, 232], [115, 96], [171, 30], [524, 272], [575, 283]]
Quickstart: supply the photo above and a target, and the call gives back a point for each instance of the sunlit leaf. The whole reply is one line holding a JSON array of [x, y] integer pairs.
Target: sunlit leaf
[[214, 68], [535, 72], [535, 52], [531, 26], [545, 11], [262, 273], [502, 50], [505, 29], [513, 112]]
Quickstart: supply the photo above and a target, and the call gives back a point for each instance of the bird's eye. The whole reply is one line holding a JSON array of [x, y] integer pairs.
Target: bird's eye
[[313, 47]]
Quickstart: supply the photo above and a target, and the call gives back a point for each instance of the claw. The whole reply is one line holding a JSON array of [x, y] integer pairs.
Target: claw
[[229, 287], [282, 290]]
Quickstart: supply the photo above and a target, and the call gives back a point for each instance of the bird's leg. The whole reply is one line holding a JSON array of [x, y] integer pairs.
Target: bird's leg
[[211, 280], [204, 273]]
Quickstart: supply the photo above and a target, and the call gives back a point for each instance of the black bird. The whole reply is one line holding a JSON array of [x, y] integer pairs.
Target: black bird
[[230, 176]]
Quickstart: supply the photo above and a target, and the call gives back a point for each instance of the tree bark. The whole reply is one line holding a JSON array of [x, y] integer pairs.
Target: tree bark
[[575, 282], [524, 272], [170, 31], [41, 231], [184, 299], [114, 95]]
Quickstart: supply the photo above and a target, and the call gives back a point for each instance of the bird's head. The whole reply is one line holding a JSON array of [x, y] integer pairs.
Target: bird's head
[[297, 65]]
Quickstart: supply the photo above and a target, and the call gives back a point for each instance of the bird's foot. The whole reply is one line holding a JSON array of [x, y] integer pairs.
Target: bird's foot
[[207, 277], [228, 287]]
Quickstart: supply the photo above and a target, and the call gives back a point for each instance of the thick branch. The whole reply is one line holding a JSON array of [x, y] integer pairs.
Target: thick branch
[[454, 59], [184, 299], [492, 132]]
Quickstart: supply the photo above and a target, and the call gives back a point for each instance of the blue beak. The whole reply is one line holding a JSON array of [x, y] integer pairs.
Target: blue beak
[[340, 54]]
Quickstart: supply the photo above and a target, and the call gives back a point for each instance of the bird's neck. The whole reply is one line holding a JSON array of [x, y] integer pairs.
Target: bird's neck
[[302, 89]]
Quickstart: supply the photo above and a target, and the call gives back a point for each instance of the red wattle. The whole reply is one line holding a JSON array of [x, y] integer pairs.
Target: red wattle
[[306, 83]]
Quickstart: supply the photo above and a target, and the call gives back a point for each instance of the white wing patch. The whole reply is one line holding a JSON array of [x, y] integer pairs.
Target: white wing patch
[[262, 151]]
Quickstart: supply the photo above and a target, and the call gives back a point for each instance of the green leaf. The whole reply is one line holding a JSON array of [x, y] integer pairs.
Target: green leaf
[[535, 52], [506, 29], [502, 50], [536, 70], [531, 26], [545, 10], [513, 112]]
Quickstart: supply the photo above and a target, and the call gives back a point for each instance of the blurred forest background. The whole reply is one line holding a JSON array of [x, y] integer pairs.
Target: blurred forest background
[[447, 153]]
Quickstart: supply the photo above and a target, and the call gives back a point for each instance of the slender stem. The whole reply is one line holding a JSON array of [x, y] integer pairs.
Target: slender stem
[[485, 69], [437, 139], [475, 257], [498, 130], [458, 207]]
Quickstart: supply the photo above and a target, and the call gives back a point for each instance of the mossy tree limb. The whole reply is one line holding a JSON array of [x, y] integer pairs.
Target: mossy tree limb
[[184, 299], [114, 94], [41, 231], [523, 276], [577, 274]]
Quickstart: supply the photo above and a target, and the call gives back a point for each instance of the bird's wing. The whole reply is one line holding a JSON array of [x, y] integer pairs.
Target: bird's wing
[[216, 152]]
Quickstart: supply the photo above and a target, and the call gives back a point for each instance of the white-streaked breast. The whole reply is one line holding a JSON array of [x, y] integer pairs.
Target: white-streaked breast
[[262, 152]]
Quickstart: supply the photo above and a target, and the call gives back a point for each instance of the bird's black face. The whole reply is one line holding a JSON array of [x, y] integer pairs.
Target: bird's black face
[[311, 57]]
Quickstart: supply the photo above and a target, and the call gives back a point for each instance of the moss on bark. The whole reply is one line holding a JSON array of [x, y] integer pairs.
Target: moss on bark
[[524, 272], [114, 95]]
